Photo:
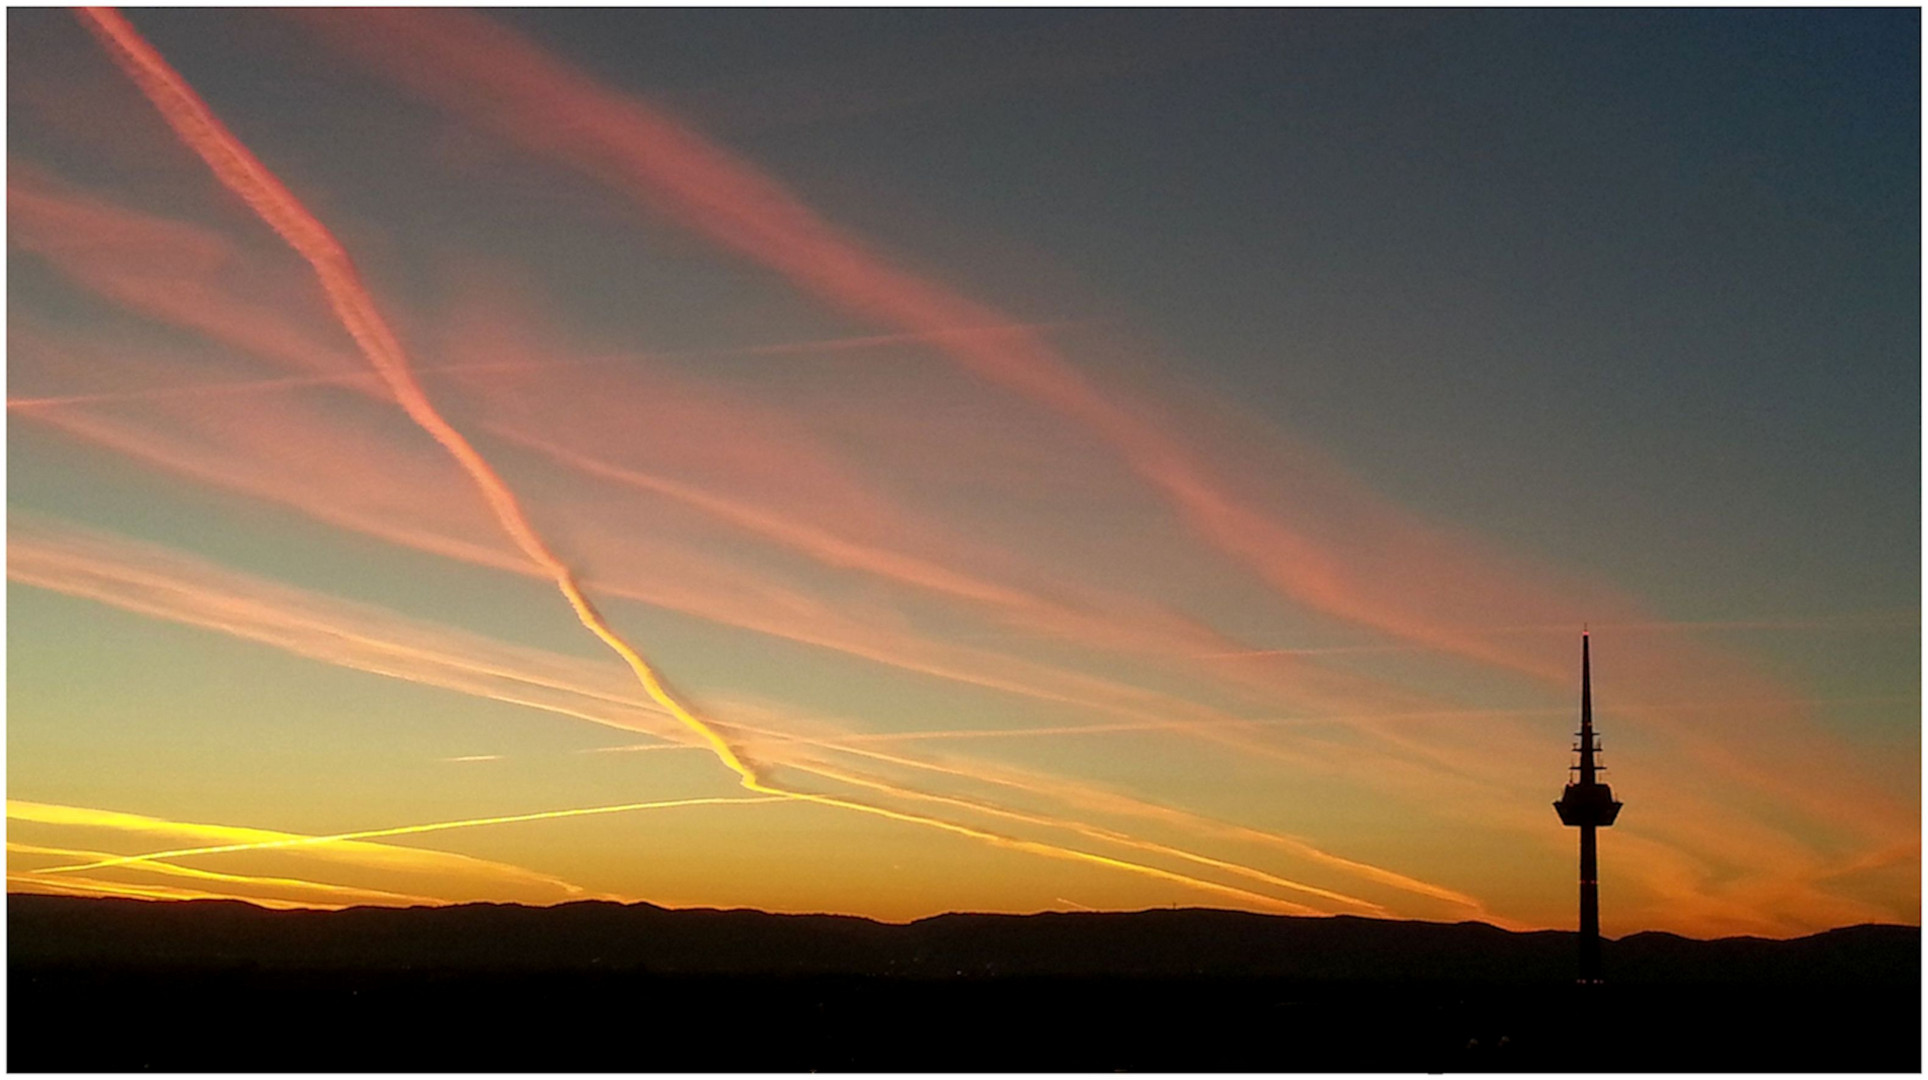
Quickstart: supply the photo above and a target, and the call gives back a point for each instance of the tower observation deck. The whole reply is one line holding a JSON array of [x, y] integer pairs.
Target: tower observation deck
[[1589, 805]]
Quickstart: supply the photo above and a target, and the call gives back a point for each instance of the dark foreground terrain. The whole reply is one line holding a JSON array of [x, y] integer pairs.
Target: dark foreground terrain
[[112, 985]]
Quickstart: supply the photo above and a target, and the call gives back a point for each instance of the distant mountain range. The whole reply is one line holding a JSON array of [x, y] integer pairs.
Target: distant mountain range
[[105, 985], [590, 936]]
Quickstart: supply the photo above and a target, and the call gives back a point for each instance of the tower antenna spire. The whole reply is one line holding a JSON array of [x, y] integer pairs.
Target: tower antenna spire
[[1588, 805]]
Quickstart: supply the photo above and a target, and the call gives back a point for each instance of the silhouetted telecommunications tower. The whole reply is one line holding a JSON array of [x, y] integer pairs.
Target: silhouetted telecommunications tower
[[1589, 804]]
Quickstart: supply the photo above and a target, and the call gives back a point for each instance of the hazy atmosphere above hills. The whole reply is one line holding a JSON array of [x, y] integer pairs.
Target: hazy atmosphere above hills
[[903, 462]]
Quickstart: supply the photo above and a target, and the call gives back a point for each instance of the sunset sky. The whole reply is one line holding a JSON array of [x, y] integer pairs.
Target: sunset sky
[[1032, 460]]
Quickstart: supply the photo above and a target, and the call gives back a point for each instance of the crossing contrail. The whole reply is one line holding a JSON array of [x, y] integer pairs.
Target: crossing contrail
[[240, 172], [359, 853], [493, 77], [346, 893], [148, 581], [236, 167], [398, 830]]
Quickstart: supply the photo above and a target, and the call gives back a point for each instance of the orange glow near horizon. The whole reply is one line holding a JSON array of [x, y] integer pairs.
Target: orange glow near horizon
[[988, 557], [102, 569]]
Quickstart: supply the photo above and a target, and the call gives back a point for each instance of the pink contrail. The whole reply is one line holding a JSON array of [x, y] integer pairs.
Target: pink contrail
[[1359, 557], [150, 581], [147, 580], [489, 74], [348, 893], [699, 181], [177, 271], [361, 853], [293, 841], [112, 250], [240, 172]]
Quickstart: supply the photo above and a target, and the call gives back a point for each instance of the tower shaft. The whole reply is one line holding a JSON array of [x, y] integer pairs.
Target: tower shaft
[[1589, 905]]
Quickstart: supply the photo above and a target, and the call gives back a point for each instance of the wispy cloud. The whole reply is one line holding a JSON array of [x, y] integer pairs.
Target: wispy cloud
[[176, 587], [1344, 551], [80, 886], [673, 491], [260, 840], [284, 889], [1413, 579], [242, 173], [146, 579], [449, 870], [302, 454]]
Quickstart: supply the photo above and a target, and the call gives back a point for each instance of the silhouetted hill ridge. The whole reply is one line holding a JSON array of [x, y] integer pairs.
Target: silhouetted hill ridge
[[601, 935]]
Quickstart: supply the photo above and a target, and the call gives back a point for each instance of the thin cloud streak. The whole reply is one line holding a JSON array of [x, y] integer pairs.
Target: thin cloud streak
[[1108, 836], [487, 74], [1092, 798], [281, 842], [640, 748], [349, 894], [1164, 641], [239, 465], [73, 886], [241, 173], [387, 858], [1702, 824], [177, 272], [175, 587], [1413, 579], [216, 325], [1825, 800], [153, 582], [381, 494], [238, 170]]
